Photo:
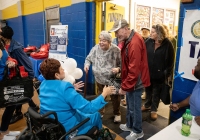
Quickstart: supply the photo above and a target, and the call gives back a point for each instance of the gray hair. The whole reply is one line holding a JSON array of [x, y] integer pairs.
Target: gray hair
[[106, 35]]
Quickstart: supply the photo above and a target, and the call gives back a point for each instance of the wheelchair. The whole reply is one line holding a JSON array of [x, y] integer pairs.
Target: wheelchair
[[41, 127]]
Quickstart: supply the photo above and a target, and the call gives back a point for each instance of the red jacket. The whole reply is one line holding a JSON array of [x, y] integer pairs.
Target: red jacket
[[135, 71]]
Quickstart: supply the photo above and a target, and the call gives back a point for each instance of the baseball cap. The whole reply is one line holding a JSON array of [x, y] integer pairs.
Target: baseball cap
[[119, 24], [145, 28]]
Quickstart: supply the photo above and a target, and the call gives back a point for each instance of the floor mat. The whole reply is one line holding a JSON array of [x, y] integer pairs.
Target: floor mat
[[149, 127]]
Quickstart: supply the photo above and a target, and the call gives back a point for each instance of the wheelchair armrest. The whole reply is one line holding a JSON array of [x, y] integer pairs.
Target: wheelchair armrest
[[75, 128], [36, 115]]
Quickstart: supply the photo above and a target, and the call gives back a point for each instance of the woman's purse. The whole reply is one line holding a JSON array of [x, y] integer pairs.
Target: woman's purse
[[165, 92], [115, 81], [15, 89]]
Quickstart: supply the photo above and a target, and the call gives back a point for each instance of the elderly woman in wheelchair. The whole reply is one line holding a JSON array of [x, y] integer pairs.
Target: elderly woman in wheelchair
[[71, 107]]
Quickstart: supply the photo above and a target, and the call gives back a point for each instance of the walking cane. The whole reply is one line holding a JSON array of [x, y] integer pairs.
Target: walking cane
[[85, 87]]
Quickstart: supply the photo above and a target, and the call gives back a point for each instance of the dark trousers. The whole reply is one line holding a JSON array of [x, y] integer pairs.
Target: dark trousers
[[19, 107], [7, 116], [114, 98], [153, 96]]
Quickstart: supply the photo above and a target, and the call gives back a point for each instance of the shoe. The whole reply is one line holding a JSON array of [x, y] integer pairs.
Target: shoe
[[117, 118], [134, 136], [123, 102], [16, 117], [154, 116], [143, 96], [124, 127], [143, 108]]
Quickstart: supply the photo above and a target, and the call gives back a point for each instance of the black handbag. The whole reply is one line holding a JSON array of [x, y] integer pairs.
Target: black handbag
[[17, 90], [115, 81], [165, 93]]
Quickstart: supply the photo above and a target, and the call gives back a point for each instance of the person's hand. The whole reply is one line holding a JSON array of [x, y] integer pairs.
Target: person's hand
[[115, 70], [79, 85], [10, 64], [122, 92], [108, 90], [197, 119], [86, 68], [174, 106]]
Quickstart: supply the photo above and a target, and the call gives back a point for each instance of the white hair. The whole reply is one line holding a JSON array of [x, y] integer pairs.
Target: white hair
[[106, 35]]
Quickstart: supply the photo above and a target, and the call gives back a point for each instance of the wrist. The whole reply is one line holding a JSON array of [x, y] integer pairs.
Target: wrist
[[178, 105]]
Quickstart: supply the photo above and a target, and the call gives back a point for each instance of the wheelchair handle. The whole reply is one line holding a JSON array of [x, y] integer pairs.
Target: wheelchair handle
[[75, 128], [36, 115]]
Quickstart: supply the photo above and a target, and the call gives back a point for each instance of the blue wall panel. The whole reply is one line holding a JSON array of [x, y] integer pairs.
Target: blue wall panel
[[182, 89], [17, 26], [80, 18], [34, 31]]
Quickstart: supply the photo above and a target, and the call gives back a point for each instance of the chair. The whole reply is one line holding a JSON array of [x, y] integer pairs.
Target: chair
[[41, 127]]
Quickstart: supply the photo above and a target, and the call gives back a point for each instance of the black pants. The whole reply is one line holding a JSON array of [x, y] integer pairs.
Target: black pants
[[19, 107], [153, 96]]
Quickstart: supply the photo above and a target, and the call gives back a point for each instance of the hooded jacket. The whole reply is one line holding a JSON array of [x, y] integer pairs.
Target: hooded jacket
[[135, 71], [15, 50]]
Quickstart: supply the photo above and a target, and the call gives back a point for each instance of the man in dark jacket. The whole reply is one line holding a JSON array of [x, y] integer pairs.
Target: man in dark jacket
[[15, 50], [135, 76]]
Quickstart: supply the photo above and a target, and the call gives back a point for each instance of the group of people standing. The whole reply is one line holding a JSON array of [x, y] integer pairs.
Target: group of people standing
[[145, 63]]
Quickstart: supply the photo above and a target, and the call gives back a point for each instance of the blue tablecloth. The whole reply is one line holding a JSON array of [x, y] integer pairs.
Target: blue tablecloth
[[35, 64]]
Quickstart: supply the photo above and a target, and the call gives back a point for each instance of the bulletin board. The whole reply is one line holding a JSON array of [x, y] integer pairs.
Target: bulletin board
[[142, 17], [157, 16], [146, 16], [169, 20]]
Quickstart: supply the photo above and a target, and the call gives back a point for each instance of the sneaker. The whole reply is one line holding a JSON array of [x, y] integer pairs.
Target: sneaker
[[16, 117], [134, 136], [117, 118], [124, 127]]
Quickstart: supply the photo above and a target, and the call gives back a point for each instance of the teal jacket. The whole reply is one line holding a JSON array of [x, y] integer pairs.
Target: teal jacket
[[70, 106]]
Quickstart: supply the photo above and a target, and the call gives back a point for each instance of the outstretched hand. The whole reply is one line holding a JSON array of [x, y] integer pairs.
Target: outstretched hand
[[174, 107], [109, 90], [79, 85]]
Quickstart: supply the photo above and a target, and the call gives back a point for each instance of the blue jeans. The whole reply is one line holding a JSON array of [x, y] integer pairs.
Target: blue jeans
[[134, 113]]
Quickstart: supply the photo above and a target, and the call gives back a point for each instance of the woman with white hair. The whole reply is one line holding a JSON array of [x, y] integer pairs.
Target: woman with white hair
[[105, 59]]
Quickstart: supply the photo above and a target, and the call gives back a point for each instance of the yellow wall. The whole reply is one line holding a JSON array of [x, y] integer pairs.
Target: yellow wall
[[32, 6], [10, 12]]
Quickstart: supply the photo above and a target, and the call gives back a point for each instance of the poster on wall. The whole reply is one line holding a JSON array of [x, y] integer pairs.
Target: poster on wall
[[157, 16], [58, 38], [169, 20], [58, 41], [142, 17], [190, 50]]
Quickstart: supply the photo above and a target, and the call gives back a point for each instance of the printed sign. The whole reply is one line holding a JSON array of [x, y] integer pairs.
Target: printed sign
[[58, 38], [190, 50]]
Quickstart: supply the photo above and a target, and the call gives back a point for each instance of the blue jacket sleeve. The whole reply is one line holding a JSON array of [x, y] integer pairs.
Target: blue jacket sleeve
[[23, 60], [78, 102]]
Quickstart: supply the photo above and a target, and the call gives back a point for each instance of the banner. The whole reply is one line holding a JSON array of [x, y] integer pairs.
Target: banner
[[58, 41], [58, 38], [190, 49]]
